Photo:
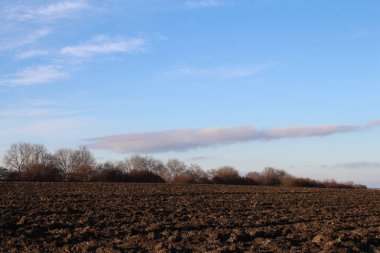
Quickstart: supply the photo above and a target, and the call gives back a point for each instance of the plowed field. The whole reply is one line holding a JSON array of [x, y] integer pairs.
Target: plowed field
[[111, 217]]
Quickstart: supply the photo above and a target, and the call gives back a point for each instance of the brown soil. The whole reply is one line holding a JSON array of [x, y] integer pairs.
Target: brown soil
[[107, 217]]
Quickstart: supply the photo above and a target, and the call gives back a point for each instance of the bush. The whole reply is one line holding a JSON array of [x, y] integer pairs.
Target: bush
[[254, 177], [301, 182], [347, 185], [108, 175], [272, 176], [14, 175], [80, 174], [247, 181], [42, 173], [192, 175], [186, 178], [225, 175], [307, 182], [269, 176], [144, 176], [108, 172]]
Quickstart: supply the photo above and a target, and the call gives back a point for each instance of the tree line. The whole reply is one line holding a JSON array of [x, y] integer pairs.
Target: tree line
[[33, 162]]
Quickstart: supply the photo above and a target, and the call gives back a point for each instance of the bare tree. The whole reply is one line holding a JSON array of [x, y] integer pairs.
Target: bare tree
[[273, 176], [136, 163], [162, 171], [82, 157], [81, 164], [194, 174], [175, 168], [197, 172], [40, 155], [63, 158], [225, 175], [109, 172], [146, 163], [17, 156], [153, 164], [22, 155], [255, 176], [121, 165]]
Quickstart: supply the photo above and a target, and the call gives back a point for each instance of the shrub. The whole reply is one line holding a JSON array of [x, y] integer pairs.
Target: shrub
[[254, 177], [144, 176], [247, 181], [272, 176], [108, 175], [192, 175], [42, 172], [108, 172], [187, 178], [175, 169], [269, 176], [301, 182], [307, 182], [360, 186], [225, 175], [80, 174], [347, 185], [14, 175]]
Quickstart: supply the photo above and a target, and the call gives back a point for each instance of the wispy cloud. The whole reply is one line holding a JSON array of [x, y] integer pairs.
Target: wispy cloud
[[28, 108], [50, 126], [36, 75], [357, 165], [104, 45], [186, 139], [203, 3], [22, 41], [46, 12], [26, 112], [230, 72], [29, 103], [44, 127], [36, 35], [39, 109], [62, 8], [198, 158], [31, 54]]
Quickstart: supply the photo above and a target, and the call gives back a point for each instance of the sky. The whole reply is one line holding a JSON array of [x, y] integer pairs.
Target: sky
[[252, 83]]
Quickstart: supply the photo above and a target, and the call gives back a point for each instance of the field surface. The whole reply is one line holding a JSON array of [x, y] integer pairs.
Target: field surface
[[111, 217]]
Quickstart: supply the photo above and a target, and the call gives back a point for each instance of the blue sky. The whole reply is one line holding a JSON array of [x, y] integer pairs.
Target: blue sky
[[290, 84]]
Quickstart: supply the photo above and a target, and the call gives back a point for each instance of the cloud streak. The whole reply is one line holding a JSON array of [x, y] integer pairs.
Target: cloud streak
[[104, 45], [61, 8], [35, 75], [231, 72], [204, 3], [187, 139], [26, 112], [28, 39], [42, 128], [47, 12], [31, 54]]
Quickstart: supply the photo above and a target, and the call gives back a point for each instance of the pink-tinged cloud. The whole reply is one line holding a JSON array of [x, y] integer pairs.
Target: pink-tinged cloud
[[187, 139]]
